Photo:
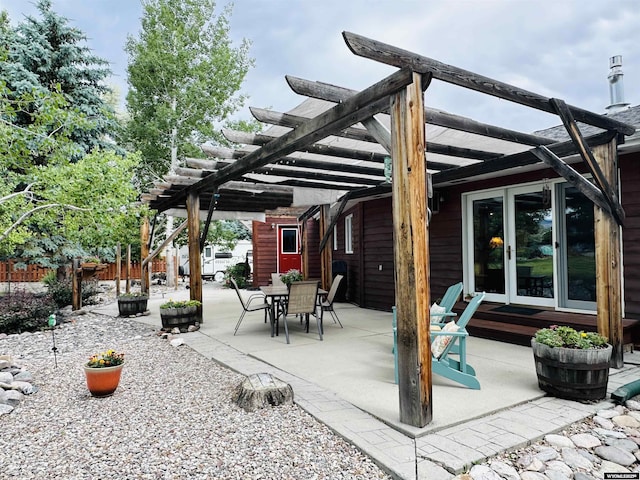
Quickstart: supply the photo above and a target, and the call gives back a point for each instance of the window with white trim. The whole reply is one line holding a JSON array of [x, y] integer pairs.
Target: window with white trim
[[348, 234], [335, 237]]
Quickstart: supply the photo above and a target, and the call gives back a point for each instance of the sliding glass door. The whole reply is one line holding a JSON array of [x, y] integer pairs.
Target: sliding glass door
[[530, 250], [487, 239], [577, 247]]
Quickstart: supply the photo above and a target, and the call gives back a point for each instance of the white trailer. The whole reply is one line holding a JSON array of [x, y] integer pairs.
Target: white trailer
[[215, 260]]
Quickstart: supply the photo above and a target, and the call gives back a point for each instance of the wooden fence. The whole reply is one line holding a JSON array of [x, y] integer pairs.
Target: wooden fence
[[35, 273]]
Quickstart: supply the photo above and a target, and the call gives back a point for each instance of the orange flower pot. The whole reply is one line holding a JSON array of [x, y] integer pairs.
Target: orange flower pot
[[103, 381]]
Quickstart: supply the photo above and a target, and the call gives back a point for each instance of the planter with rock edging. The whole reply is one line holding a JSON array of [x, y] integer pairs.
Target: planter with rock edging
[[179, 317]]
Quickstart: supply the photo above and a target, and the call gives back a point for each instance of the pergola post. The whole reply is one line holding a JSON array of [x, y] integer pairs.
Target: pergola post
[[608, 259], [144, 253], [195, 264], [128, 270], [118, 268], [411, 254], [326, 255], [304, 248]]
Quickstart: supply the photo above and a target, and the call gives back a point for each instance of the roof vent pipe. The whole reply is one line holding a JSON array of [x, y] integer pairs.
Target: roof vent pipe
[[616, 86]]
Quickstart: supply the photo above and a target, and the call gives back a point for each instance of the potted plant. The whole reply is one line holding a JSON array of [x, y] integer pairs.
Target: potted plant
[[291, 276], [132, 303], [571, 364], [102, 372], [181, 313], [90, 262]]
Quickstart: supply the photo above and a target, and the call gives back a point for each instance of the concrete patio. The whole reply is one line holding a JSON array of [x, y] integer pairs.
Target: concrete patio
[[347, 382]]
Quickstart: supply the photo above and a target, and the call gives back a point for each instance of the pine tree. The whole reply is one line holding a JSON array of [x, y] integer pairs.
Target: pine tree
[[47, 55]]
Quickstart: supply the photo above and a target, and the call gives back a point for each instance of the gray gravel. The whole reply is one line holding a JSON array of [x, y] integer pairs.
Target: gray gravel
[[172, 417]]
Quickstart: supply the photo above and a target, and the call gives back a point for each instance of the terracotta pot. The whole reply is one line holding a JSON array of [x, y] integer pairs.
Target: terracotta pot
[[103, 381], [572, 373]]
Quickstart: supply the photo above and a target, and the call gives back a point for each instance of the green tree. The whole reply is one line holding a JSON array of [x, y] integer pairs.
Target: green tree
[[221, 233], [80, 208], [46, 55], [184, 76]]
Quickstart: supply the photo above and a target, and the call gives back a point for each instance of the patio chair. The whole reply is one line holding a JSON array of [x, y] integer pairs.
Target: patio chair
[[276, 281], [327, 304], [303, 301], [442, 348], [248, 307], [453, 334], [445, 307]]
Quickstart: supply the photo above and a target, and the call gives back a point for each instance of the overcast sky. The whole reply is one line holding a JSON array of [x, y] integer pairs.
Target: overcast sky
[[557, 48]]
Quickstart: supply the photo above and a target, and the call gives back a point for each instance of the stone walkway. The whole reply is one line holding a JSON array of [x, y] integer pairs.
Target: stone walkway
[[434, 456]]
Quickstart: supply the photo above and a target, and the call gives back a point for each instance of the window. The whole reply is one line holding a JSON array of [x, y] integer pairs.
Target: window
[[289, 240], [335, 237], [348, 234]]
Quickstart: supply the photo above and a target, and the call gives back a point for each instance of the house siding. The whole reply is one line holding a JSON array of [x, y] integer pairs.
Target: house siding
[[352, 260], [369, 287], [630, 196], [265, 247], [378, 264]]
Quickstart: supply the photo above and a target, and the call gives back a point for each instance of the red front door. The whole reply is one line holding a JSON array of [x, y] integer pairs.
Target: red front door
[[288, 249]]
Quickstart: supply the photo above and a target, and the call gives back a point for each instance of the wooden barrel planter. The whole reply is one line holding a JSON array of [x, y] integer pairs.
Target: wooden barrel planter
[[572, 373], [179, 317], [132, 305]]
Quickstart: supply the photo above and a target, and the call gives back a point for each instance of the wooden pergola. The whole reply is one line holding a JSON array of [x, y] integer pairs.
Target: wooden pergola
[[337, 143]]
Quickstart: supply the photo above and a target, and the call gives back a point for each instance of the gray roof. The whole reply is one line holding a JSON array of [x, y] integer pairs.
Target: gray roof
[[630, 115]]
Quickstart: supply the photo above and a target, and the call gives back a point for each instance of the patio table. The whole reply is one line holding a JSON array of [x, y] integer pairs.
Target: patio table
[[275, 296]]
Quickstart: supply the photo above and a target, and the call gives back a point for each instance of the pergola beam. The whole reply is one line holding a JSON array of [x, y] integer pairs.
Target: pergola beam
[[333, 93], [561, 149], [587, 156], [574, 178], [390, 55]]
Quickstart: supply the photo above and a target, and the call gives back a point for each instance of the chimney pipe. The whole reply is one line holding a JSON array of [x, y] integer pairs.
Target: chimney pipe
[[616, 86]]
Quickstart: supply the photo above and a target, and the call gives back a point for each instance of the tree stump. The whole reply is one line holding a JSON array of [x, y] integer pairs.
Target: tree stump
[[261, 389]]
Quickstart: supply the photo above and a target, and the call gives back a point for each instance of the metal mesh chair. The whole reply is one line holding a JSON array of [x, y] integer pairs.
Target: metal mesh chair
[[327, 304], [248, 307], [303, 301]]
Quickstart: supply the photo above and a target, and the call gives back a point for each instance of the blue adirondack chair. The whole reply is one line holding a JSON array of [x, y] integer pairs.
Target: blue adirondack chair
[[447, 302], [457, 369], [444, 365]]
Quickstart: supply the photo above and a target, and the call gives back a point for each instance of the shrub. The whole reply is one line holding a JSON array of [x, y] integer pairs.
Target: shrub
[[22, 311], [180, 304], [293, 275], [239, 272], [568, 337], [62, 293]]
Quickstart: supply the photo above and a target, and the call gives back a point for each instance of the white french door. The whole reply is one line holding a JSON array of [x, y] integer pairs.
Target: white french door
[[530, 251], [510, 245]]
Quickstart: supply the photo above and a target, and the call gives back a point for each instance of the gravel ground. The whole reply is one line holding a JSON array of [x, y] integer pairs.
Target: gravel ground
[[172, 417]]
